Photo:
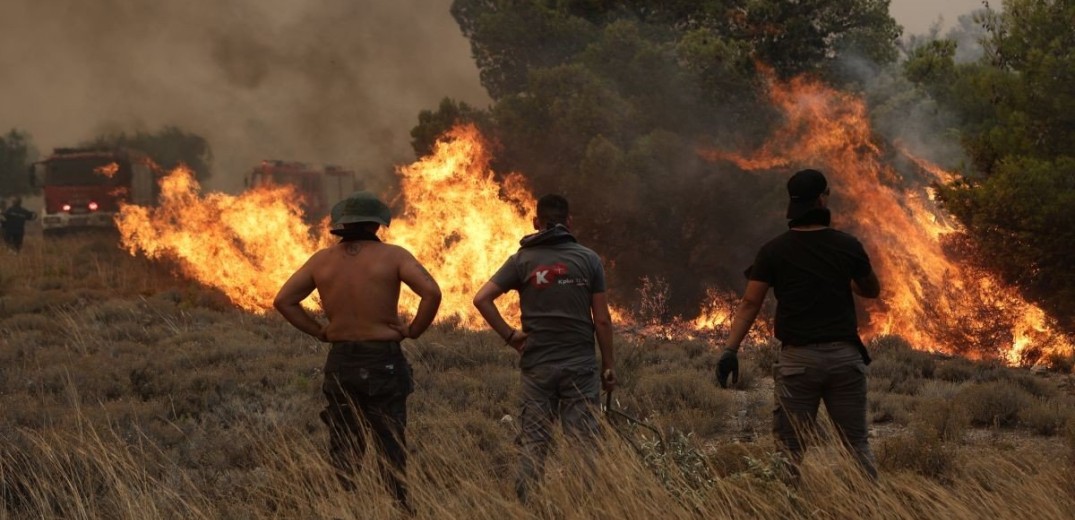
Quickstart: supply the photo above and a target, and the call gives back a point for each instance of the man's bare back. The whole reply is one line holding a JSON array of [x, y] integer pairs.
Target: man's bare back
[[359, 284]]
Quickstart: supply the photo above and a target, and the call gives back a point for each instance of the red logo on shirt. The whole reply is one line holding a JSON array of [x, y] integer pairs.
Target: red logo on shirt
[[546, 275]]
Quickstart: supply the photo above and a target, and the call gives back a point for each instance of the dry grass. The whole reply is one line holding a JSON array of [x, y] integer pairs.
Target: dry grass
[[130, 394]]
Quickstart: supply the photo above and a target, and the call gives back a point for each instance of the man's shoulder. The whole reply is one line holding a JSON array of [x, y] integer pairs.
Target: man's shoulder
[[777, 241], [843, 236]]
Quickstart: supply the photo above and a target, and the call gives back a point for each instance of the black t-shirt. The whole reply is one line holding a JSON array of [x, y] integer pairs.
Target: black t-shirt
[[810, 273], [15, 219]]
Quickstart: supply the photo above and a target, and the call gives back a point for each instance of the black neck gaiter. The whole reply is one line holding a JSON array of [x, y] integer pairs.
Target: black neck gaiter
[[813, 217]]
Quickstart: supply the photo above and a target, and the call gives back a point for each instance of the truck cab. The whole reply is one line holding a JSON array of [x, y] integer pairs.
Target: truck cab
[[83, 188]]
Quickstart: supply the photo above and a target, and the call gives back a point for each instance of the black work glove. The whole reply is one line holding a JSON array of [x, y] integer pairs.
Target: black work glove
[[728, 366]]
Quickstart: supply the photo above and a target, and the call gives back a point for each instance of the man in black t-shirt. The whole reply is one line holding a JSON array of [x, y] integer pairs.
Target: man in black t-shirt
[[813, 270]]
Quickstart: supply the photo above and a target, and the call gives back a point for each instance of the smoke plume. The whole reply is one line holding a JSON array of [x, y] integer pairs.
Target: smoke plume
[[330, 81]]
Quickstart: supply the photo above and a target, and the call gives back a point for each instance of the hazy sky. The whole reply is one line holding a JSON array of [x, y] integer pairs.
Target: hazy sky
[[331, 81], [916, 16]]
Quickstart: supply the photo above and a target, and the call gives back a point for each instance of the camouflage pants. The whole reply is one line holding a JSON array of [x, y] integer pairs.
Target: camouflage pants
[[549, 391], [366, 385], [804, 376]]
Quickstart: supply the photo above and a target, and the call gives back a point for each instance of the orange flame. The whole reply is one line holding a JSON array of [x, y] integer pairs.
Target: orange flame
[[459, 222], [245, 245], [936, 302], [108, 170]]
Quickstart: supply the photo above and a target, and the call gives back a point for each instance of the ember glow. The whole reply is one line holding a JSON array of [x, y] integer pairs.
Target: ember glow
[[458, 221], [108, 170], [938, 303]]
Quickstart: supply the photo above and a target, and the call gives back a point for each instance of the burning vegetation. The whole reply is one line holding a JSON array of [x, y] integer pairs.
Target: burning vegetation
[[937, 301], [462, 220]]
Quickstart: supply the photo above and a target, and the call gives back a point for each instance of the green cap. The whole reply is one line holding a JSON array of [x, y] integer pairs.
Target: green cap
[[361, 206]]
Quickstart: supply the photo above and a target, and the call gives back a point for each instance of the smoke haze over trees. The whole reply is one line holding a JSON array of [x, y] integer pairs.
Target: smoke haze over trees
[[607, 102]]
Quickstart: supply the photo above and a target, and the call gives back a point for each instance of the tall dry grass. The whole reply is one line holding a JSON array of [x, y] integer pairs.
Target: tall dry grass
[[127, 393]]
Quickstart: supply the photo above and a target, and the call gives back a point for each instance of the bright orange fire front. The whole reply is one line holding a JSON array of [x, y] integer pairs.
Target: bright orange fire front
[[458, 221], [938, 303], [245, 245]]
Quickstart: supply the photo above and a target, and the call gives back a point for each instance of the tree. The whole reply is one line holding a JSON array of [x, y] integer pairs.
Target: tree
[[433, 124], [1018, 124], [168, 147], [608, 101], [16, 153]]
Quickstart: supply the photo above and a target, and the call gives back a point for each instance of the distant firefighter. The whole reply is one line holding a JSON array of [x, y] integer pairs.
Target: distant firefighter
[[367, 378], [813, 270], [562, 296], [14, 224]]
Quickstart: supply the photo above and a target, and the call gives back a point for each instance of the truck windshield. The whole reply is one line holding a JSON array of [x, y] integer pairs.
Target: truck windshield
[[80, 172]]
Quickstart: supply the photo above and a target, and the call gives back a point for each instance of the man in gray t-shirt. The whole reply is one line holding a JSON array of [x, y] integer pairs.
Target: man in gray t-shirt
[[561, 287]]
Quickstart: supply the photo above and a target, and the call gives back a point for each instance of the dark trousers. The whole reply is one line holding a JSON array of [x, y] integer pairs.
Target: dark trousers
[[366, 385], [804, 376], [552, 390], [14, 239]]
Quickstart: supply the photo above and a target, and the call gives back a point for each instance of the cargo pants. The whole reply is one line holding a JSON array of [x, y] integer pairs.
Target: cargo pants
[[570, 392], [806, 375], [366, 385]]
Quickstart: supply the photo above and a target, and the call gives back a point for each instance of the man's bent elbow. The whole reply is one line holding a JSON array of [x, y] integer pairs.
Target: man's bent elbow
[[279, 304], [433, 294]]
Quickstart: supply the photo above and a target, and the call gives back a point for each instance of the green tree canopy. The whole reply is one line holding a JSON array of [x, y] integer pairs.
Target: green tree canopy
[[1017, 106], [607, 102]]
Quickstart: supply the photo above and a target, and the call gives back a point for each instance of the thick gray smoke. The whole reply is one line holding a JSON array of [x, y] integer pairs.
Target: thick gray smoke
[[323, 81]]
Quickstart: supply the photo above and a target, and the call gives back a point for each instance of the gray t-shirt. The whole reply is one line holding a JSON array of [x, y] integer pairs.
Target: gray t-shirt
[[556, 284]]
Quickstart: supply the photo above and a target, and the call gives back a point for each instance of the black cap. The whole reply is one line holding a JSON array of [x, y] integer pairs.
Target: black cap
[[804, 188]]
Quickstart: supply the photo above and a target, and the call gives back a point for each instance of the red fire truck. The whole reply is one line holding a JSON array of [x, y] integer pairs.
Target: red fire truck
[[318, 188], [83, 187]]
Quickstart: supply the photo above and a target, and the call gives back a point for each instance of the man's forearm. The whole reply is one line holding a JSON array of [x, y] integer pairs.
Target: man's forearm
[[297, 316], [604, 341], [745, 315], [492, 316], [423, 318]]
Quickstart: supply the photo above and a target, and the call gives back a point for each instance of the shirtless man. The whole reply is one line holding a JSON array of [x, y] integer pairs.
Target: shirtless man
[[367, 378]]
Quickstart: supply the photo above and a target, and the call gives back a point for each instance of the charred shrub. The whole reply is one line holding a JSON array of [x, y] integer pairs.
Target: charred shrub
[[943, 418], [1045, 417], [896, 361], [885, 408], [996, 403]]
